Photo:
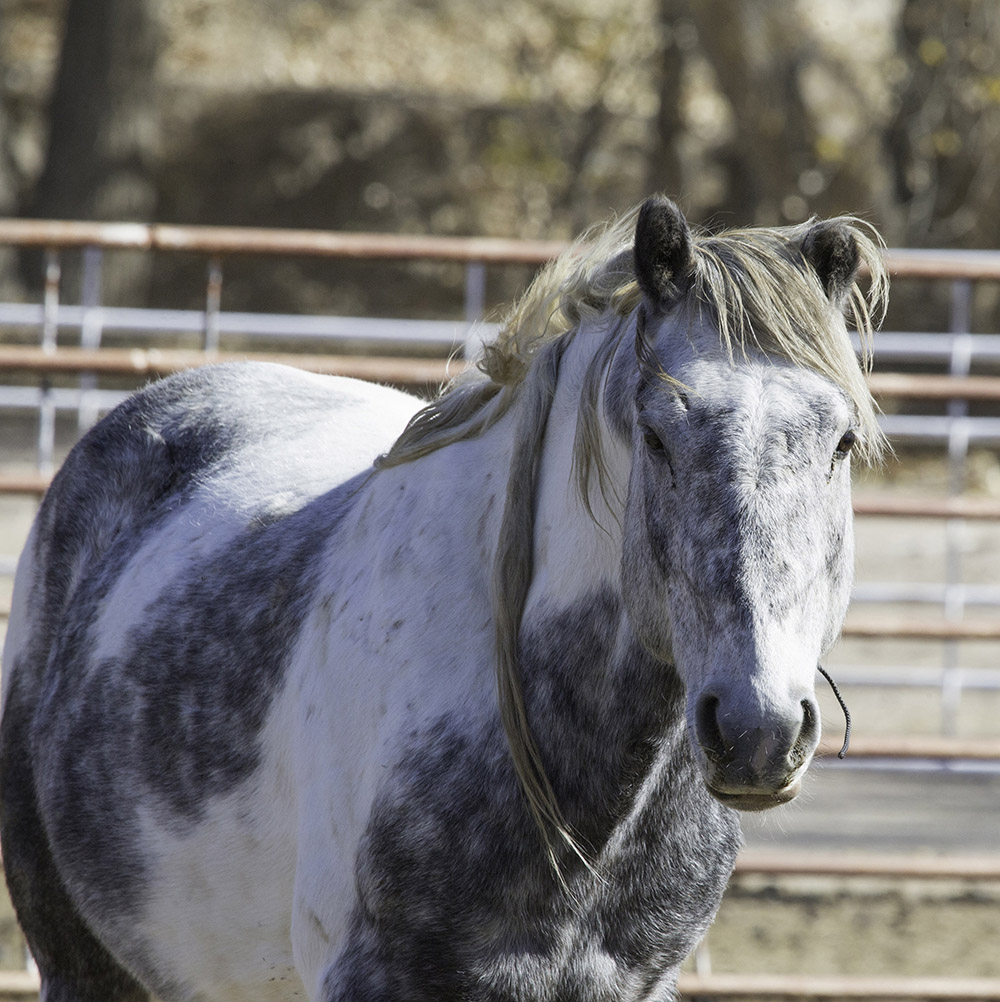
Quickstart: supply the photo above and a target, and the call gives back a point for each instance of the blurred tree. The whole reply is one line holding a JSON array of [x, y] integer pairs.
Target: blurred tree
[[755, 52], [103, 119], [8, 198], [941, 143], [103, 122], [757, 49], [8, 184], [665, 172]]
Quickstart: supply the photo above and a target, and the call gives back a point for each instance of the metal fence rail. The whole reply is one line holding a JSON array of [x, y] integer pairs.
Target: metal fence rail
[[969, 374], [881, 989], [956, 351]]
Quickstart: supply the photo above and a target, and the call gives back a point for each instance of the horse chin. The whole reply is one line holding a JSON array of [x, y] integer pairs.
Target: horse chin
[[756, 800]]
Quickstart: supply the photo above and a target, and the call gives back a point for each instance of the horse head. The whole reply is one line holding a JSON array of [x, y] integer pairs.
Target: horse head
[[738, 544]]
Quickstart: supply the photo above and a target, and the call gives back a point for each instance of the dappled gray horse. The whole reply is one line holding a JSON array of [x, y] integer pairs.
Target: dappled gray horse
[[468, 720]]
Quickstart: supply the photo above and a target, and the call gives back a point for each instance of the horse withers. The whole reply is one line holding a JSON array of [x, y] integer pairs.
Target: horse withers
[[310, 691]]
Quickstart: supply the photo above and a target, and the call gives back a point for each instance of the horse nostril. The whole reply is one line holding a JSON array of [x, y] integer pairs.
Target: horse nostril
[[810, 719], [808, 735], [767, 749], [707, 728]]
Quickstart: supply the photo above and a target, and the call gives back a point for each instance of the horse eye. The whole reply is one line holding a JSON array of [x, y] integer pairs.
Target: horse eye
[[652, 440], [846, 443]]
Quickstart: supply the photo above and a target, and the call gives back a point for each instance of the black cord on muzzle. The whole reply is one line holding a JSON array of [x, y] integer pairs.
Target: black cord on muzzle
[[843, 706]]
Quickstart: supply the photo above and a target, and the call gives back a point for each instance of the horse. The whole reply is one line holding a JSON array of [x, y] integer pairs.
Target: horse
[[313, 689]]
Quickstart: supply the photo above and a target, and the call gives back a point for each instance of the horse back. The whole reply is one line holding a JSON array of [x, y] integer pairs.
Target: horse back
[[251, 439]]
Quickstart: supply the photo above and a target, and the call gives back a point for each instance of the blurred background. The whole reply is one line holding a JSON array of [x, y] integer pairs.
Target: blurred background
[[534, 119], [525, 119]]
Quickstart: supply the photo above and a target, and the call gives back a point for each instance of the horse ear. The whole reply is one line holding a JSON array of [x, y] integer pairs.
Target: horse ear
[[832, 251], [662, 250]]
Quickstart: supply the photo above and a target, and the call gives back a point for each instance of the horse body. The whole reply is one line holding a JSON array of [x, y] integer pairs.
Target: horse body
[[251, 742], [176, 561]]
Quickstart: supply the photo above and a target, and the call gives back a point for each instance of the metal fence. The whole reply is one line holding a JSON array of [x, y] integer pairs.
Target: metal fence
[[69, 337], [953, 371]]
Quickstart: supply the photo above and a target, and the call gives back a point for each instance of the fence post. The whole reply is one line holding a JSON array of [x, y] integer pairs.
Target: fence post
[[213, 304], [49, 339], [90, 334], [475, 305], [958, 451]]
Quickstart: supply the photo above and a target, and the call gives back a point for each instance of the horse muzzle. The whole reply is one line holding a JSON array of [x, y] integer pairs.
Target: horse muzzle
[[753, 767]]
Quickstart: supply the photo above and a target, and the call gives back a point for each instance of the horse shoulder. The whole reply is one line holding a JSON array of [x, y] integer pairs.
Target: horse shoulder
[[393, 667]]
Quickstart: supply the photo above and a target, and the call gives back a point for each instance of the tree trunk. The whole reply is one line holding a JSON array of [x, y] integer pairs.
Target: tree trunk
[[756, 51], [665, 171], [9, 285], [104, 129]]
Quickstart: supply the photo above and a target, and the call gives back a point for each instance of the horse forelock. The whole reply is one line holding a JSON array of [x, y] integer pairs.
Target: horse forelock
[[754, 284], [760, 294]]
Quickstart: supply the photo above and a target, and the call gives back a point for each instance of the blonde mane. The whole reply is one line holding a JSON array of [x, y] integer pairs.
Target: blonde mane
[[760, 292]]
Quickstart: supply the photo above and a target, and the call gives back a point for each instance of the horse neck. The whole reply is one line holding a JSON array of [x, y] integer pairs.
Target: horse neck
[[607, 716], [573, 635]]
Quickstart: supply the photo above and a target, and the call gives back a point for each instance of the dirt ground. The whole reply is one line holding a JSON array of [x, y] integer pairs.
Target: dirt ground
[[857, 927]]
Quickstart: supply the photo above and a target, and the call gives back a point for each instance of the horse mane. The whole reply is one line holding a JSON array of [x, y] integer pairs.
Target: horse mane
[[759, 290]]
